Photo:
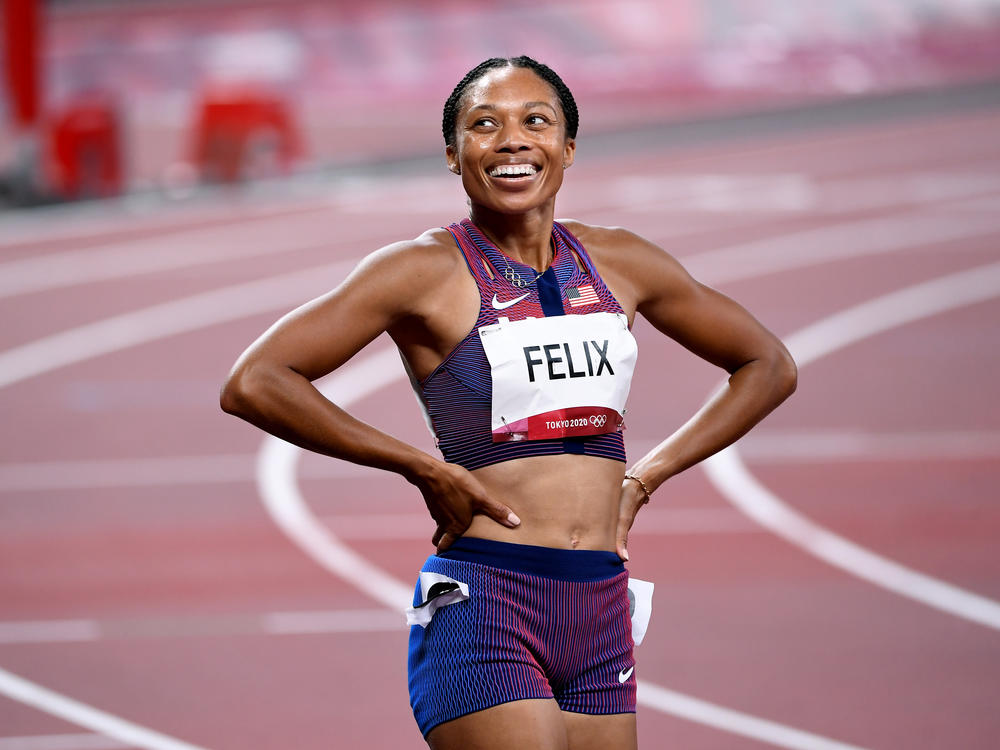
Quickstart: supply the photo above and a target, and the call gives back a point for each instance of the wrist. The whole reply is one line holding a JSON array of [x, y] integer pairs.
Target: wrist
[[642, 485], [422, 469]]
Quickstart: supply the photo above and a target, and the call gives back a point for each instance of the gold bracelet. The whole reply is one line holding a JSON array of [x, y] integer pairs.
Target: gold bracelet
[[645, 489]]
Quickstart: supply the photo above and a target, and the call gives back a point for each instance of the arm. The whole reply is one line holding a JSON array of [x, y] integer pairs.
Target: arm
[[762, 373], [271, 387]]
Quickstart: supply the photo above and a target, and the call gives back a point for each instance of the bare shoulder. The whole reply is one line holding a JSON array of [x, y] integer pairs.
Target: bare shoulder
[[399, 275], [430, 255], [635, 268]]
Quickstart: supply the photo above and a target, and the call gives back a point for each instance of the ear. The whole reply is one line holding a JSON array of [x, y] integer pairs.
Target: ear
[[569, 151], [452, 158]]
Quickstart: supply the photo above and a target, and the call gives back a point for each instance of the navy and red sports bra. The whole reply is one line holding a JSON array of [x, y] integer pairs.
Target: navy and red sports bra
[[546, 368]]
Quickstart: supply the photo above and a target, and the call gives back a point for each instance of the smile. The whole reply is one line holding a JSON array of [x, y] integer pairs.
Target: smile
[[513, 170]]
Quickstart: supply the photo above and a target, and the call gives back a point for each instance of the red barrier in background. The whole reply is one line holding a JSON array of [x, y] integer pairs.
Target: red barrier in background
[[21, 47], [243, 132], [84, 149]]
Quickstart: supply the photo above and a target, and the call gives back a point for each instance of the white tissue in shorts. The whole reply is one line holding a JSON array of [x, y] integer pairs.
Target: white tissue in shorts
[[422, 614], [640, 602]]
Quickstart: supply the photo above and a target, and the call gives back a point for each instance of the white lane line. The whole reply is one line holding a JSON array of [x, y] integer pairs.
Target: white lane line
[[839, 242], [283, 500], [49, 631], [802, 446], [735, 722], [730, 475], [185, 249], [278, 486], [269, 623], [149, 472], [167, 319], [70, 222], [49, 701], [62, 742], [346, 621], [790, 192], [124, 472]]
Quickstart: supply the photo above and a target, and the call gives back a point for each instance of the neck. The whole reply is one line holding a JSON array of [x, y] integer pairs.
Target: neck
[[526, 238]]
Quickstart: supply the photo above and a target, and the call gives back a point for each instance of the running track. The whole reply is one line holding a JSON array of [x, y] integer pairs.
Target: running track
[[170, 579]]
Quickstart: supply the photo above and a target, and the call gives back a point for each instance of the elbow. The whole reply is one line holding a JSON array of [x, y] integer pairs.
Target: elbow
[[785, 374], [238, 393]]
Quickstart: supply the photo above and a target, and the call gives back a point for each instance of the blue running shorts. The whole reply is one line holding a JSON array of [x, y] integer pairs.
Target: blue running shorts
[[505, 622]]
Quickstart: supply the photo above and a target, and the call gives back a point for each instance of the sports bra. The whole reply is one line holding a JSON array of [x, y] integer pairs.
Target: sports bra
[[527, 396]]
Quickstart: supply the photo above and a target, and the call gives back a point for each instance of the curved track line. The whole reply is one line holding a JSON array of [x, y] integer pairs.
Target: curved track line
[[278, 484], [731, 477], [133, 735]]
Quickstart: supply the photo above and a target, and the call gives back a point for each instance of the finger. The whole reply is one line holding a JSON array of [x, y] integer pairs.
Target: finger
[[501, 514]]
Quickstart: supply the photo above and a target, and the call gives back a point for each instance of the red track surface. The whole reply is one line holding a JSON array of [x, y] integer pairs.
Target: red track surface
[[149, 527]]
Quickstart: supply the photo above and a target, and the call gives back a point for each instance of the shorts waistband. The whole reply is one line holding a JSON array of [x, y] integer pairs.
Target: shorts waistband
[[546, 562]]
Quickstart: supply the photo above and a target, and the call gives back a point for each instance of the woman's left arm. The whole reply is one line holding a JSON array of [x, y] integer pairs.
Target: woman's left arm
[[762, 373]]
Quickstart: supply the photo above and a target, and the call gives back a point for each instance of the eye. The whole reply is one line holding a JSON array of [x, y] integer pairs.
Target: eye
[[484, 122], [537, 121]]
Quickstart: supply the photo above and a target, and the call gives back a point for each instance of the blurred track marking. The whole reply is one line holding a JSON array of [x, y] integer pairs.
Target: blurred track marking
[[270, 235], [730, 475], [154, 471], [67, 222], [109, 725], [62, 742], [838, 242], [763, 446], [278, 485], [793, 192], [49, 631], [270, 623], [183, 249], [787, 446], [168, 319]]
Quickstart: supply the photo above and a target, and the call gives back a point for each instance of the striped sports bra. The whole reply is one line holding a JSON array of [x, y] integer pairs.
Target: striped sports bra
[[594, 351]]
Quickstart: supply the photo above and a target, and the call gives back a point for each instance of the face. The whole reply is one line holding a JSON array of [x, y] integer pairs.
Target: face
[[511, 146]]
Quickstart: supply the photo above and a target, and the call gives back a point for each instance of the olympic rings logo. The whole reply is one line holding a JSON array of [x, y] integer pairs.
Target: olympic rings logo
[[514, 278], [598, 420]]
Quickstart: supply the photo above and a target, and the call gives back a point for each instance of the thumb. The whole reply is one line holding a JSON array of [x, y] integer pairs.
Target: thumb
[[621, 538]]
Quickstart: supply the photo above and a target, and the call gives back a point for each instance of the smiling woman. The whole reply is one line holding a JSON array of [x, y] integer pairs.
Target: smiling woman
[[516, 331]]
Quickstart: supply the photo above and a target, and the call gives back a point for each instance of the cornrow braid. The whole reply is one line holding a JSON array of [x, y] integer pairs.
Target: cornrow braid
[[566, 100]]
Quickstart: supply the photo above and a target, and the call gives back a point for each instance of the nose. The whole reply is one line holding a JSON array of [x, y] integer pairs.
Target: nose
[[512, 138]]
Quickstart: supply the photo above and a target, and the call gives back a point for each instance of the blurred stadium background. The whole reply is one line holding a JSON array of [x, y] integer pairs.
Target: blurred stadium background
[[175, 175], [109, 96]]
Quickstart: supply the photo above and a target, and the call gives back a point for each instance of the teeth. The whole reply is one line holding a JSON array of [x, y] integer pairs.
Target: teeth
[[513, 170]]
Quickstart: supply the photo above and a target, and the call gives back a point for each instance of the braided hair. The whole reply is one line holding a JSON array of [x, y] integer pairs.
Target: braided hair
[[566, 100]]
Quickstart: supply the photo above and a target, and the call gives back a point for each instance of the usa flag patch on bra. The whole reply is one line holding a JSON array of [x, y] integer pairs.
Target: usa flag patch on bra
[[579, 296]]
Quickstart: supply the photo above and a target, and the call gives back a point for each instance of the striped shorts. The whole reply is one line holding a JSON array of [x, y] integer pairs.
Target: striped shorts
[[531, 622]]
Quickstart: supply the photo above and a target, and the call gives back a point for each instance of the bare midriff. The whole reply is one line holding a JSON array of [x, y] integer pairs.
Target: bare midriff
[[566, 501]]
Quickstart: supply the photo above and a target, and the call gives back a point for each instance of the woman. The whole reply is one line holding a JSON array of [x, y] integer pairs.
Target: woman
[[515, 330]]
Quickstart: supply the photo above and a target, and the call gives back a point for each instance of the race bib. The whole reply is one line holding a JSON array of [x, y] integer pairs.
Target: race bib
[[561, 376]]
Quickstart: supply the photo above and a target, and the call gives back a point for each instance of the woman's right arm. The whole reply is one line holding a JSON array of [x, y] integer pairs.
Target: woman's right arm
[[271, 387]]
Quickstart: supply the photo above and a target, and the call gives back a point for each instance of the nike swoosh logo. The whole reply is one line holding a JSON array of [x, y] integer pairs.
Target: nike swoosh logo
[[625, 674], [498, 305]]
